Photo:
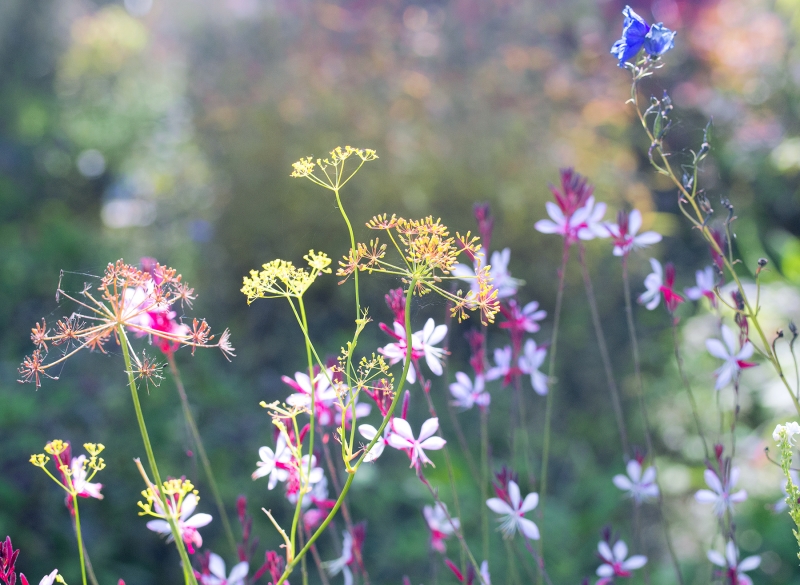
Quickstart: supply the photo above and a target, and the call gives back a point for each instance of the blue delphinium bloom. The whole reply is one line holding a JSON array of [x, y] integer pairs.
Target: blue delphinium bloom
[[636, 33], [659, 40]]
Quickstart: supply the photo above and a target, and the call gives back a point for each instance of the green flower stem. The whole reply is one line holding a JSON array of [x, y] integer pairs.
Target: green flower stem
[[601, 345], [290, 566], [700, 223], [646, 422], [485, 479], [212, 482], [352, 247], [78, 533], [188, 574], [548, 409]]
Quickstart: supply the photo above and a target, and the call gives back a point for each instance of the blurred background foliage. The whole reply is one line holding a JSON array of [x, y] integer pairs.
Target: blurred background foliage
[[167, 129]]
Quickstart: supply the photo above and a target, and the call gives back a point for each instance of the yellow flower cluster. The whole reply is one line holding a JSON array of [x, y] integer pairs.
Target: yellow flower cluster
[[332, 168], [175, 491], [281, 278]]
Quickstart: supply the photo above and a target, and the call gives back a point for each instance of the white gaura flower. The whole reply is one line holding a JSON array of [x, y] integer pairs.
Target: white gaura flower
[[402, 438], [734, 568], [217, 568], [720, 494], [653, 283], [48, 579], [706, 281], [734, 361], [626, 234], [369, 432], [583, 224], [502, 367], [340, 565], [513, 512], [423, 344], [614, 562], [187, 524], [530, 361], [640, 486], [502, 281], [324, 394], [270, 460], [439, 525], [467, 394], [82, 487]]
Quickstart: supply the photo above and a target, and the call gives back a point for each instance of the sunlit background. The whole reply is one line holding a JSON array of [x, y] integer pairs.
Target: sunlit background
[[168, 129]]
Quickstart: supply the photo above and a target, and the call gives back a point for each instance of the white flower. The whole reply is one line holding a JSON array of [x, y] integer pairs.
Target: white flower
[[467, 394], [706, 281], [514, 512], [640, 486], [187, 524], [369, 432], [485, 573], [422, 345], [82, 487], [436, 517], [269, 461], [653, 283], [734, 362], [502, 281], [733, 566], [583, 224], [614, 561], [529, 363], [790, 428], [217, 568], [340, 565], [324, 394], [49, 579], [502, 360], [403, 438], [720, 495], [625, 233]]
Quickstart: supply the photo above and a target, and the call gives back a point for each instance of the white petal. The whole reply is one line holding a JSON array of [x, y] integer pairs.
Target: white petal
[[717, 349], [217, 566], [429, 427], [514, 494], [398, 442], [706, 496], [188, 506], [635, 562], [529, 503], [605, 570], [634, 470], [716, 558], [198, 520], [713, 481], [622, 482], [433, 443], [401, 427], [634, 222], [545, 226], [729, 338], [161, 526], [528, 528], [620, 551], [499, 506], [749, 563], [367, 431], [604, 550]]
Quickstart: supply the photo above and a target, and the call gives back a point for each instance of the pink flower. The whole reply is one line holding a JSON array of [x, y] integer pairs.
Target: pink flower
[[369, 432], [84, 488], [503, 367], [439, 525], [423, 344], [720, 493], [657, 285], [583, 224], [523, 319], [513, 512], [274, 463], [614, 561], [734, 569], [624, 233], [498, 270], [187, 524], [217, 575], [324, 394], [467, 394], [402, 438], [706, 282]]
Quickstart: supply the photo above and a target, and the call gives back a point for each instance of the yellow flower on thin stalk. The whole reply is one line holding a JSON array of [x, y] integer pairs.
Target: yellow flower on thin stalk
[[331, 170]]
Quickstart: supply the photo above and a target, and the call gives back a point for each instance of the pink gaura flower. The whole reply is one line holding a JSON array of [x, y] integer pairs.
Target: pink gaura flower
[[734, 569], [369, 432], [614, 560], [187, 523], [402, 437], [522, 318], [625, 233], [658, 284], [734, 361], [441, 528], [324, 394], [513, 512], [275, 463], [720, 493], [503, 366], [84, 488], [468, 393], [423, 344], [574, 215]]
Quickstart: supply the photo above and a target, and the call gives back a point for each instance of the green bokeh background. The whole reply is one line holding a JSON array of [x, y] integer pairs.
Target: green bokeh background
[[197, 110]]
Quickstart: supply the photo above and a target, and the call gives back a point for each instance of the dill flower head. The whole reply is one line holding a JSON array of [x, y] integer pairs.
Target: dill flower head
[[331, 172], [281, 278], [428, 255], [127, 299]]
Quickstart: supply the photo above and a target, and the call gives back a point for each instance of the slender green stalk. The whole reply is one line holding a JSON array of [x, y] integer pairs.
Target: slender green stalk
[[212, 482], [688, 386], [78, 532], [378, 435], [352, 247], [485, 479], [188, 574], [548, 409], [601, 345]]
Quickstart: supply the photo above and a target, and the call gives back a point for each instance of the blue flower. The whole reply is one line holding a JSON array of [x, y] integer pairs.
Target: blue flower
[[636, 33]]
